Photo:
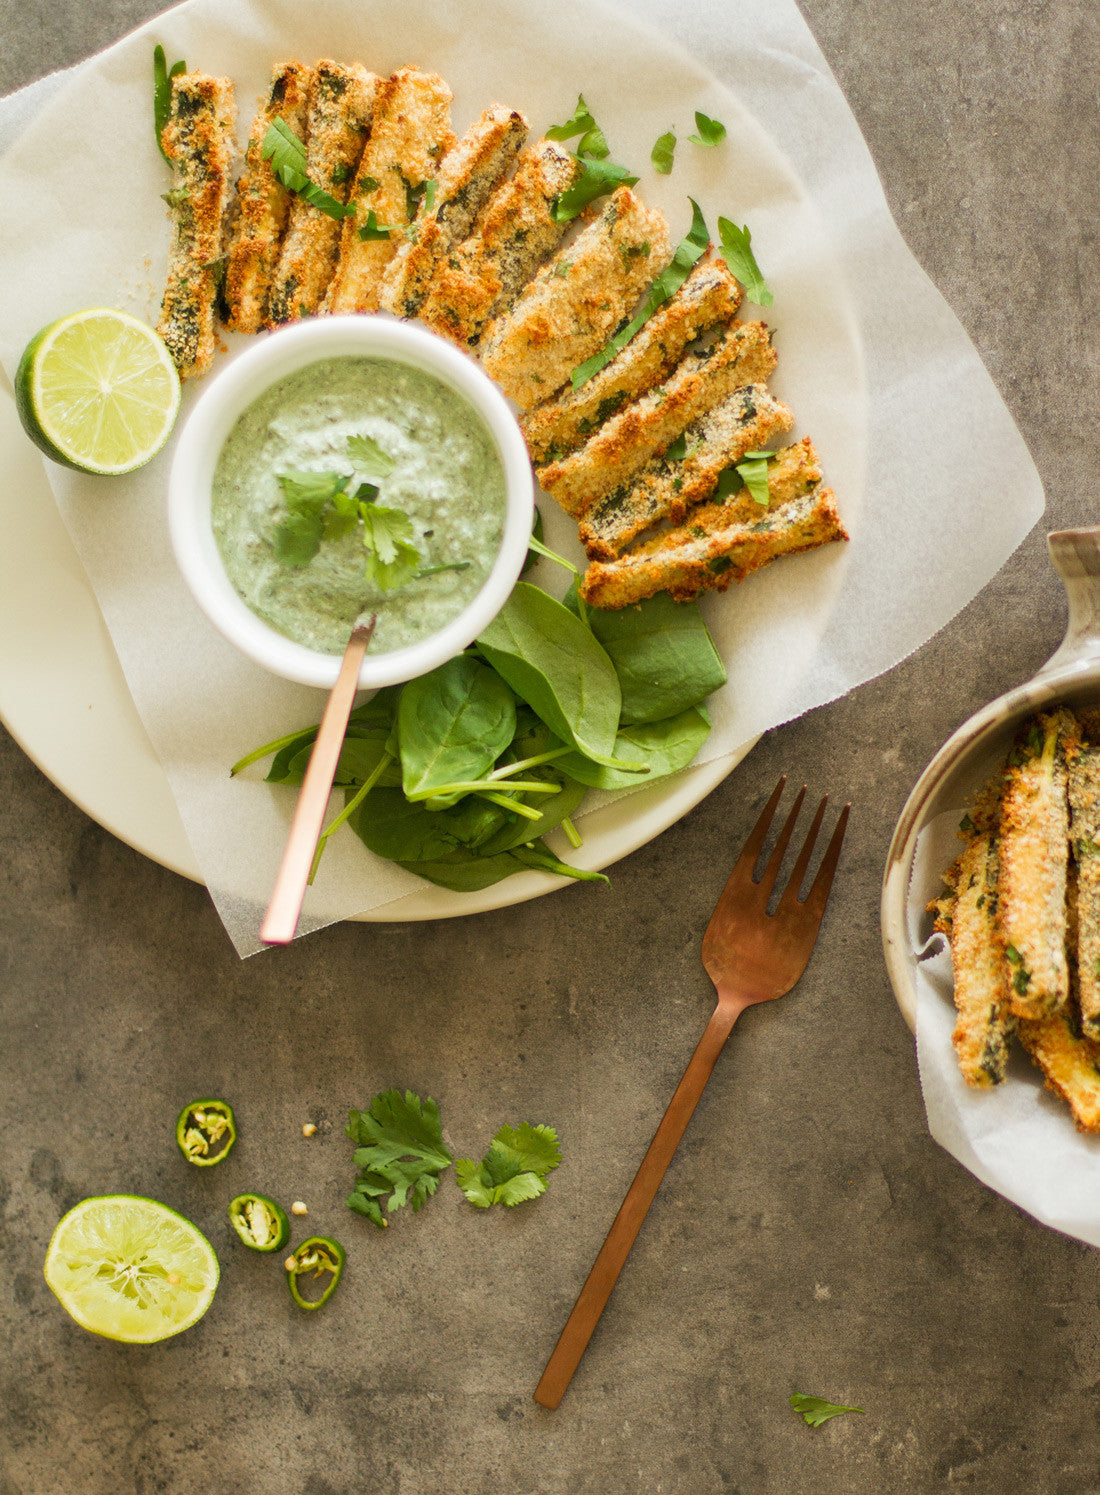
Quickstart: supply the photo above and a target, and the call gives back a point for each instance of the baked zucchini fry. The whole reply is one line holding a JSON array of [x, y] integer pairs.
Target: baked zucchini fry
[[1031, 906], [698, 557], [469, 172], [410, 134], [1071, 1065], [516, 232], [341, 105], [199, 141], [1084, 833], [742, 355], [576, 301], [264, 202], [968, 918], [666, 488], [709, 296]]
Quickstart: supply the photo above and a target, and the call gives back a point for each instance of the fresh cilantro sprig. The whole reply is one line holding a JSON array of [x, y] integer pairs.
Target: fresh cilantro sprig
[[736, 250], [816, 1410], [329, 505], [592, 142], [711, 131], [162, 92], [516, 1167], [663, 152], [400, 1152], [667, 284], [287, 155]]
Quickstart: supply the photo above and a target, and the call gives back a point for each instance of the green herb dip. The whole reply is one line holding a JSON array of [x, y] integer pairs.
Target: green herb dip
[[447, 477]]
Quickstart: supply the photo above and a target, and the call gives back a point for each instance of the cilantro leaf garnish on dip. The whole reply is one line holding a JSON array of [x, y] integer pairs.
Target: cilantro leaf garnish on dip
[[353, 483]]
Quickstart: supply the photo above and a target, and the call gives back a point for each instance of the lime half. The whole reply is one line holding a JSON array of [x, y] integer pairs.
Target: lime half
[[97, 391], [130, 1268]]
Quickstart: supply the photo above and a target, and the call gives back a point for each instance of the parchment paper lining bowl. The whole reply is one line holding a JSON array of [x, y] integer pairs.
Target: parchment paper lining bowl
[[968, 757]]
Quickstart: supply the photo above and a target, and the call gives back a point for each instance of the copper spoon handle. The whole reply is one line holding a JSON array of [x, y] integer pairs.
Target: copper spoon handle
[[605, 1270], [281, 919]]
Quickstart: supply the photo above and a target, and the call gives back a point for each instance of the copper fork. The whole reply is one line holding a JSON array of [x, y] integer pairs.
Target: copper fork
[[751, 956]]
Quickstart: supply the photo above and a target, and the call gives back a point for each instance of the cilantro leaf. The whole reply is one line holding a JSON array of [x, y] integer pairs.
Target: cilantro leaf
[[369, 457], [162, 92], [392, 558], [400, 1152], [592, 143], [753, 471], [736, 250], [711, 131], [297, 537], [287, 155], [816, 1410], [663, 151], [689, 249], [597, 178], [516, 1167], [372, 229]]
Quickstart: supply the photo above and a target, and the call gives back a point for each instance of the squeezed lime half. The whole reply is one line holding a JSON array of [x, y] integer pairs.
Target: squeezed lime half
[[97, 390], [130, 1268]]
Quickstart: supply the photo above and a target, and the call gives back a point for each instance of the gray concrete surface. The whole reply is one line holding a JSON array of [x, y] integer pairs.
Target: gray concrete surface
[[810, 1236]]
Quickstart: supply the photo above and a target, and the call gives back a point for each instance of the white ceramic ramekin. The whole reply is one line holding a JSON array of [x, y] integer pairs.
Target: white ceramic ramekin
[[230, 392], [963, 764]]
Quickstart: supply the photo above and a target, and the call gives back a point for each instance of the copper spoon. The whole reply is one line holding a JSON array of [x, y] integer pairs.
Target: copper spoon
[[284, 910]]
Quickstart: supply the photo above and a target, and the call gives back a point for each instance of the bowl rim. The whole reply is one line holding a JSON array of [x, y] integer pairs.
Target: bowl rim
[[236, 386]]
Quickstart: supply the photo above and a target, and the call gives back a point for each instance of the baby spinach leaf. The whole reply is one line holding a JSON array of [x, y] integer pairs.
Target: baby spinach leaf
[[553, 809], [452, 725], [552, 661], [666, 746], [465, 872], [663, 655], [390, 826]]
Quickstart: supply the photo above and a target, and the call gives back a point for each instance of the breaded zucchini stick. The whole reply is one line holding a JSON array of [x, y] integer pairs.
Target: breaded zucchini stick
[[666, 488], [1070, 1064], [1031, 908], [742, 355], [340, 108], [709, 296], [515, 233], [576, 301], [469, 172], [264, 202], [200, 143], [968, 917], [410, 134], [701, 557], [1084, 833]]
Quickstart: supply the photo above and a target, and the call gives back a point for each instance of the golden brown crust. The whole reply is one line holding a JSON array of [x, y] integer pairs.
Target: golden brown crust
[[469, 173], [1084, 833], [1071, 1065], [410, 134], [340, 109], [692, 559], [575, 302], [742, 355], [667, 488], [199, 142], [708, 297], [514, 234], [264, 202], [1031, 908]]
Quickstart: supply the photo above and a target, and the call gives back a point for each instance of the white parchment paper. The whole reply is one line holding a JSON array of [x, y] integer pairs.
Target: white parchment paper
[[872, 362]]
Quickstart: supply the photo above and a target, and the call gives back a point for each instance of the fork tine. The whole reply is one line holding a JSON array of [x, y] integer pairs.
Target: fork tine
[[794, 882], [771, 871], [819, 893], [757, 836]]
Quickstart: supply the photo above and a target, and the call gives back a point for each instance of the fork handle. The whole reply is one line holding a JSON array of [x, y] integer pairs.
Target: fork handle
[[616, 1248]]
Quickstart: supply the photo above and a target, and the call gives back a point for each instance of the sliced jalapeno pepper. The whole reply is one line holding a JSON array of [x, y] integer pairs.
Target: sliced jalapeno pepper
[[259, 1222], [205, 1132], [313, 1259]]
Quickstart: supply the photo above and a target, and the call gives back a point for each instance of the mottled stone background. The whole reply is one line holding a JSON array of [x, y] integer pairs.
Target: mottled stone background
[[810, 1235]]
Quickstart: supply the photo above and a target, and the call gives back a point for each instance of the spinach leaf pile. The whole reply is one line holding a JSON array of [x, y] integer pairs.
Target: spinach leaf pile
[[460, 774]]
